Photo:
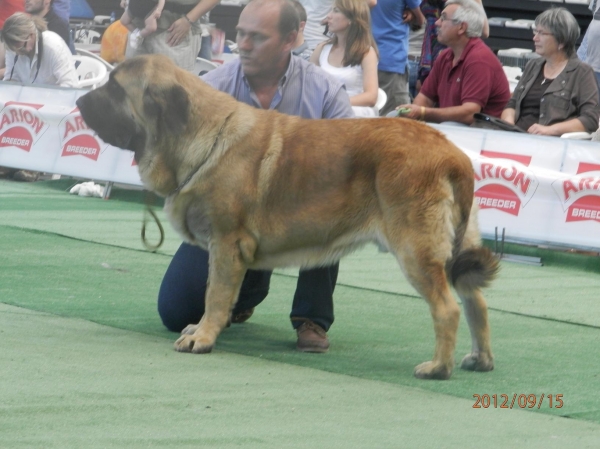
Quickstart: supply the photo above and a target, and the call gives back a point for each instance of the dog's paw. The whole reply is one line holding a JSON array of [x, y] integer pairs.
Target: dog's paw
[[190, 329], [431, 370], [187, 343], [477, 362]]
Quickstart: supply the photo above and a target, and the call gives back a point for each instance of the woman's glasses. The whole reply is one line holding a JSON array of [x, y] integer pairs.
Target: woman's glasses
[[23, 44], [540, 33]]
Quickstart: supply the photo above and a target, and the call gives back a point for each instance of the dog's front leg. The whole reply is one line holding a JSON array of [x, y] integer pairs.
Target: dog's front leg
[[225, 276]]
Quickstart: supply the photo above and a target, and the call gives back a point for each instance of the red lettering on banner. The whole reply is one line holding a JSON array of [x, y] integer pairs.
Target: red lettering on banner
[[522, 182], [16, 116], [5, 121], [69, 128], [76, 125], [82, 145], [23, 116], [20, 125], [569, 187], [585, 206], [495, 196], [510, 174], [512, 181], [17, 136]]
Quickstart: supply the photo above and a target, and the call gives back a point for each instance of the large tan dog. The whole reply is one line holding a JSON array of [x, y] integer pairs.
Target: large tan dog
[[260, 189]]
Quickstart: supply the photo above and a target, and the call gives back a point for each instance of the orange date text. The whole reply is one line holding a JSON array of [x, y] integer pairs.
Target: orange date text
[[517, 400]]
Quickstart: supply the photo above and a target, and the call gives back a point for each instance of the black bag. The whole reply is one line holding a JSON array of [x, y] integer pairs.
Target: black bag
[[488, 122]]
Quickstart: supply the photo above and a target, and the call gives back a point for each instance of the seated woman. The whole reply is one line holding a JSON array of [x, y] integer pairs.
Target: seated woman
[[557, 93], [35, 55], [350, 55]]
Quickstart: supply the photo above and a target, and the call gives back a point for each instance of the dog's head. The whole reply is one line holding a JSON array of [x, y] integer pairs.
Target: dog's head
[[142, 101]]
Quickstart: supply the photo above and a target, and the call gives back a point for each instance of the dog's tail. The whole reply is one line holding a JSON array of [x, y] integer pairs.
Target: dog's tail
[[473, 269], [472, 266]]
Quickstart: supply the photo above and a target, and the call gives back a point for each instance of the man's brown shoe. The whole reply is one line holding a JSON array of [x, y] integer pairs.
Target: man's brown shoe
[[242, 316], [312, 338]]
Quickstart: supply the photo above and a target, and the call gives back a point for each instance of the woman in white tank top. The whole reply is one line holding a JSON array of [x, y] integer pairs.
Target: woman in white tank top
[[351, 54]]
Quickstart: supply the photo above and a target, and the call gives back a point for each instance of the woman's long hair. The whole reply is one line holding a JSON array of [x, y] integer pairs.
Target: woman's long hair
[[19, 26], [359, 39]]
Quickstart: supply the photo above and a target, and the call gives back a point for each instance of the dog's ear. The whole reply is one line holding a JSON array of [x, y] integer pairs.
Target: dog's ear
[[170, 107]]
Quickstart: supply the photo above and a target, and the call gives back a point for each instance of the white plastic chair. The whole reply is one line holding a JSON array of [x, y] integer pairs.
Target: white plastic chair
[[87, 36], [204, 65], [513, 74], [91, 72], [83, 52], [381, 99], [578, 135]]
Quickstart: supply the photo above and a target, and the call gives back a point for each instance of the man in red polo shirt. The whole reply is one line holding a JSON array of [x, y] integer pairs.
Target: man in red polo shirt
[[467, 77]]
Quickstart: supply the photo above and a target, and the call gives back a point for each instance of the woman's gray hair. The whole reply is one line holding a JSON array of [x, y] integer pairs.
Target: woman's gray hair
[[18, 28], [562, 25], [471, 13]]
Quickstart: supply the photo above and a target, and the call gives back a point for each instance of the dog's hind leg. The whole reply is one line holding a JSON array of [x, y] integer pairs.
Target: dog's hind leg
[[425, 270], [225, 277], [430, 280], [471, 270], [475, 308]]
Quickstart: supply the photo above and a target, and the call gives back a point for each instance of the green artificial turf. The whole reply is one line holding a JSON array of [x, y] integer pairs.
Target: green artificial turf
[[79, 264]]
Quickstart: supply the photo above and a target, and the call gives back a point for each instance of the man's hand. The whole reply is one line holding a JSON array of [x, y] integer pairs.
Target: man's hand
[[411, 111], [541, 130], [409, 17], [178, 31]]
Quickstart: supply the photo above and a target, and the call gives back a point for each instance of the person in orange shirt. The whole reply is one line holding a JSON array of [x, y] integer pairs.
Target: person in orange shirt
[[7, 9]]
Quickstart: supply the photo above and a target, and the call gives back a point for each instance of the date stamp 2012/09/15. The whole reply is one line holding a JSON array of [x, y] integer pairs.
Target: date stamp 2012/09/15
[[518, 401]]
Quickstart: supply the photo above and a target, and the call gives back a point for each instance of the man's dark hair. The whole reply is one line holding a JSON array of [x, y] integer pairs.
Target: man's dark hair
[[300, 10], [288, 20]]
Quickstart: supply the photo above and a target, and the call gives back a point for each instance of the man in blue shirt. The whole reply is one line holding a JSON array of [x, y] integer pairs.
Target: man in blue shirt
[[266, 76], [390, 31], [62, 8], [43, 9]]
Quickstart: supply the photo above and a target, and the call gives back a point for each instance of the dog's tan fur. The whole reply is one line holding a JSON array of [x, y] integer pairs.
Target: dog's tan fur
[[270, 190]]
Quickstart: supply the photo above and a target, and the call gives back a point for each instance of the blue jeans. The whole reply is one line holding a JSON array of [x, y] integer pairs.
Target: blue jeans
[[182, 291]]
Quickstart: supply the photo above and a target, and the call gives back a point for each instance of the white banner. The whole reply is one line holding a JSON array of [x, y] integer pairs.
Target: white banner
[[541, 190], [41, 129]]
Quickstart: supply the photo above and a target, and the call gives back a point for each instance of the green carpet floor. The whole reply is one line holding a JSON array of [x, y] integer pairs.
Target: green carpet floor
[[85, 361]]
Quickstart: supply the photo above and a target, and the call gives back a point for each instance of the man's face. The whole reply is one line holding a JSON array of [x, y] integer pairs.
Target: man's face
[[447, 28], [34, 7], [26, 46], [262, 48]]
